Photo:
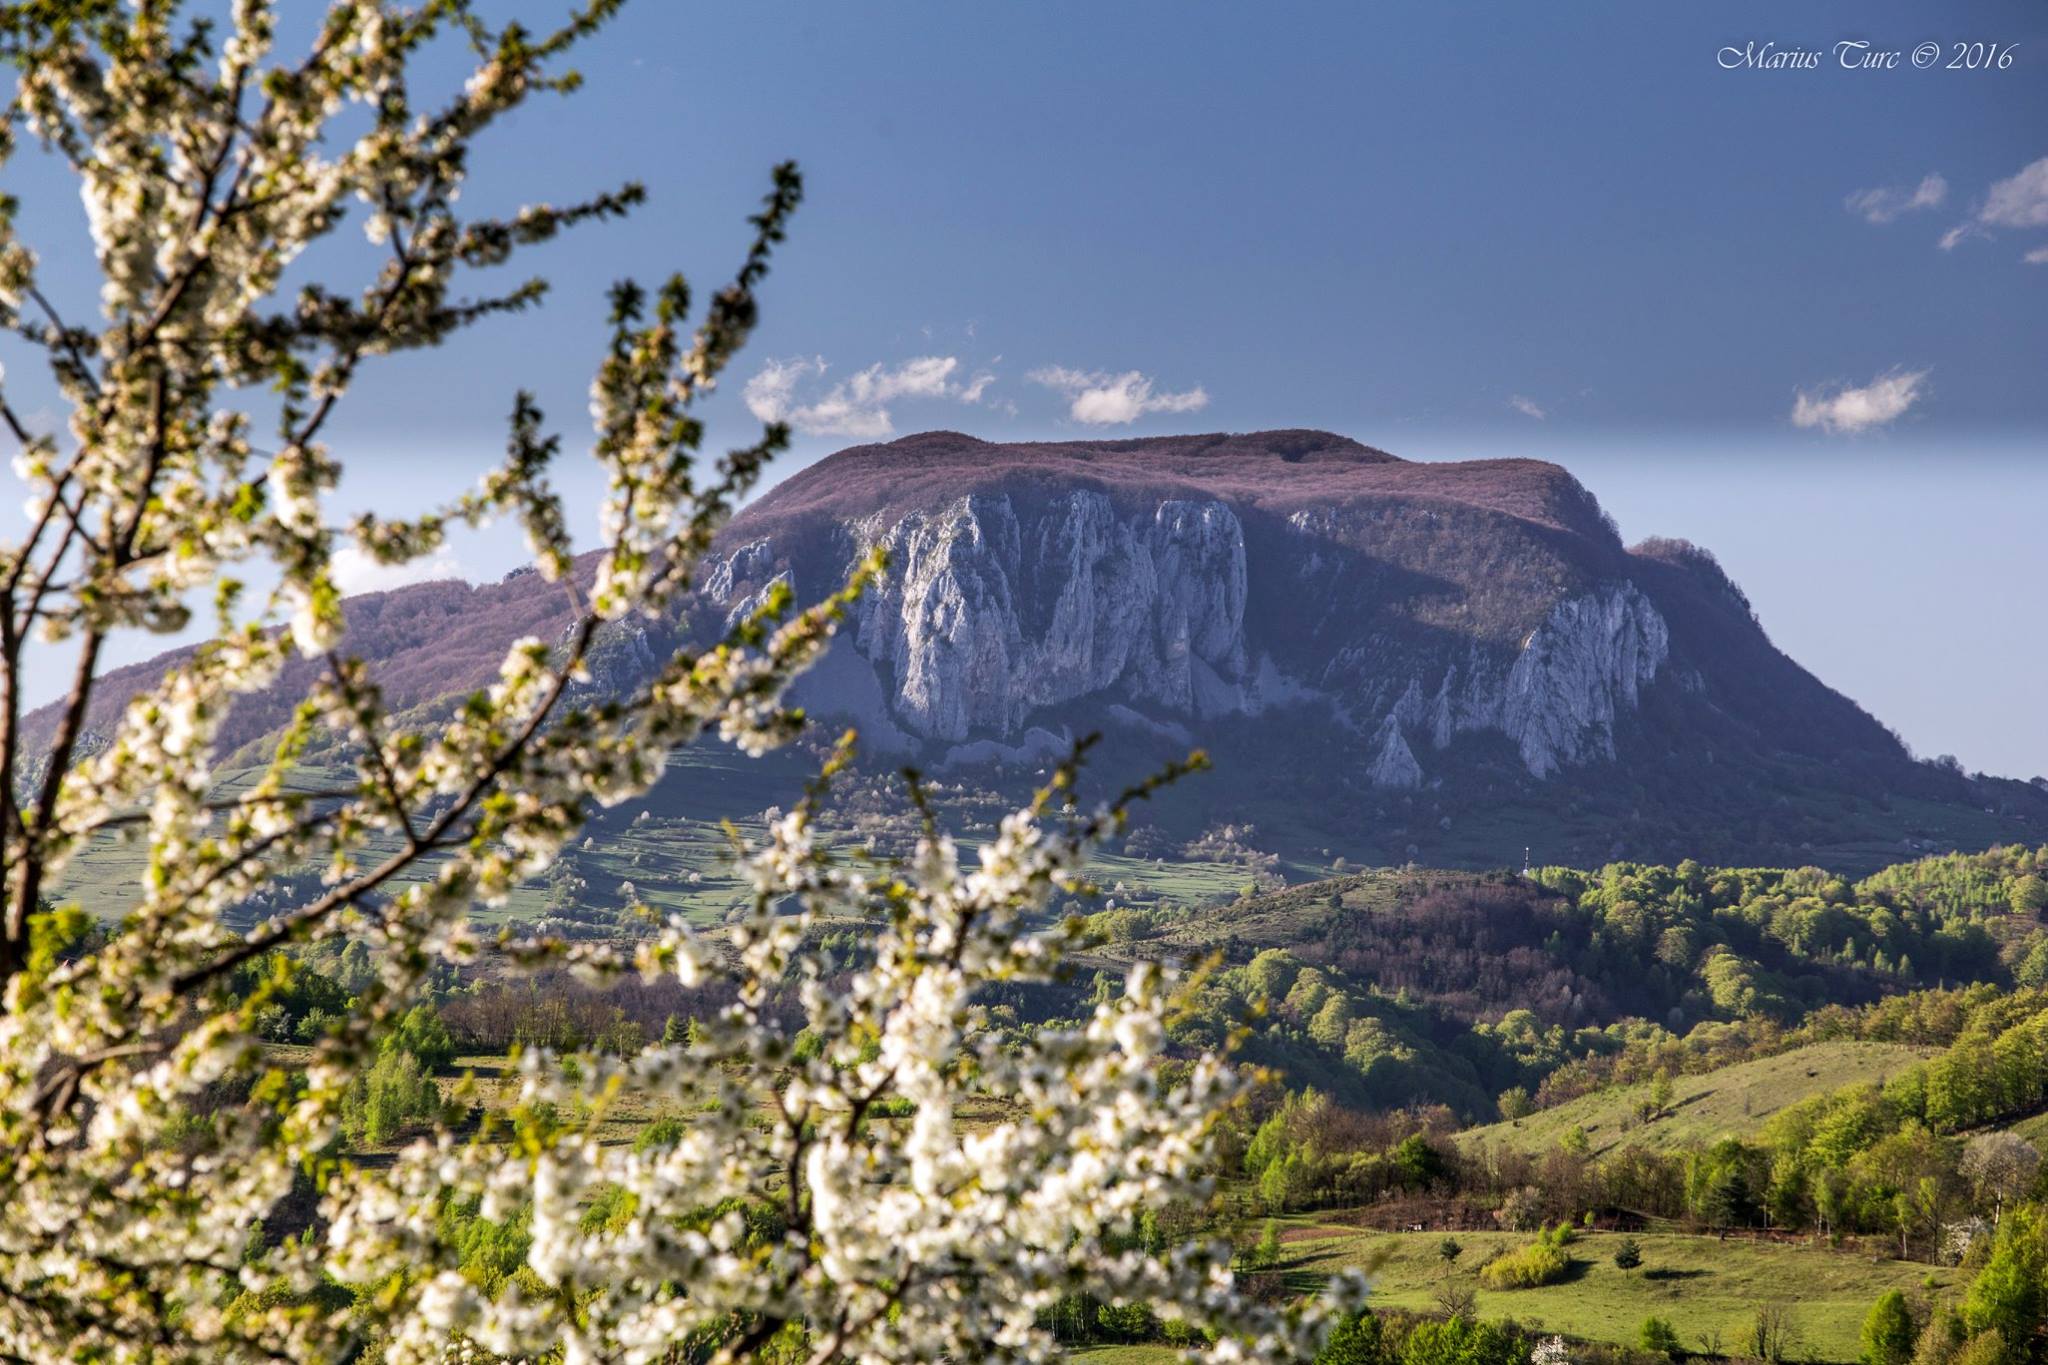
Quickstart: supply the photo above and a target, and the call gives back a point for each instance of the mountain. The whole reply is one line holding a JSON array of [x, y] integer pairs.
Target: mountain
[[1388, 659], [1380, 651]]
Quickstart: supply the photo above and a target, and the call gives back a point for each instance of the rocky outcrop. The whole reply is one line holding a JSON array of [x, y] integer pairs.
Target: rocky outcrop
[[1000, 612], [1582, 670], [1560, 698], [1369, 645], [1395, 764], [990, 616]]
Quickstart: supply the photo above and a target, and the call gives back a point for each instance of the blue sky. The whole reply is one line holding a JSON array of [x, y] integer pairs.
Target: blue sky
[[1451, 231]]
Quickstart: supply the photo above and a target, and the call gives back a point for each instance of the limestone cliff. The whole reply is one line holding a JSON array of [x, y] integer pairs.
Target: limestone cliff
[[1011, 602]]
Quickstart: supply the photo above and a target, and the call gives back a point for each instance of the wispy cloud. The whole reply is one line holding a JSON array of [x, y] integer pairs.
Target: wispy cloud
[[2038, 256], [1958, 234], [1528, 407], [1099, 398], [1845, 411], [1884, 204], [2018, 201], [355, 571], [858, 405]]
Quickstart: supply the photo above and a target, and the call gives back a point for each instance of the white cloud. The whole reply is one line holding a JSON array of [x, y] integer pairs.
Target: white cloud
[[857, 405], [769, 392], [1528, 407], [1099, 398], [1846, 411], [1886, 203], [2038, 256], [2018, 201], [356, 572]]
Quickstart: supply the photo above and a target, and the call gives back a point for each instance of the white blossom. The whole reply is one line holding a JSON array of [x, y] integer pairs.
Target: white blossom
[[148, 1132]]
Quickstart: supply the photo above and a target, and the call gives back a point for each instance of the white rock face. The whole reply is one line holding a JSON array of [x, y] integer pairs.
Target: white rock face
[[1559, 698], [1396, 765], [752, 602], [992, 619], [985, 620], [744, 565], [1581, 670]]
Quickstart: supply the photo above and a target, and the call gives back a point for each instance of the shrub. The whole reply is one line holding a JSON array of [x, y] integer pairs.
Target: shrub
[[1126, 1321], [1986, 1348], [1355, 1340], [1629, 1254], [422, 1033], [382, 1101], [1418, 1164], [1461, 1341], [1888, 1331], [1543, 1261], [1267, 1253], [1772, 1335], [1659, 1337], [665, 1131]]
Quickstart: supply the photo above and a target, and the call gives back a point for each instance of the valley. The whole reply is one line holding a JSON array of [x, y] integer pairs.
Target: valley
[[1745, 1010], [1809, 1140]]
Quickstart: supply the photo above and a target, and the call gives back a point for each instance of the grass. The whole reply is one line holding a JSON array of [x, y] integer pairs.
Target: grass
[[672, 846], [1276, 919], [1734, 1100], [1703, 1285], [1708, 1289], [2034, 1130]]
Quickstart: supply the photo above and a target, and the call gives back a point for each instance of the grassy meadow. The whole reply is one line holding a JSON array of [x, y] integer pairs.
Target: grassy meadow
[[1708, 1288], [1734, 1100], [673, 847]]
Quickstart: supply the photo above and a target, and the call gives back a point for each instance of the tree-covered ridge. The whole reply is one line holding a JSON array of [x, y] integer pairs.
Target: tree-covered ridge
[[1989, 884], [1390, 988], [1491, 995], [1768, 938]]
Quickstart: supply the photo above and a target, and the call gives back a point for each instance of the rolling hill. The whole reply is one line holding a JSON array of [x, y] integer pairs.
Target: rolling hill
[[1731, 1101]]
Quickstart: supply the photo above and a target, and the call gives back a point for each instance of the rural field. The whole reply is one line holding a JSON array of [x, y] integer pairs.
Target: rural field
[[1733, 1101], [674, 849], [1708, 1288]]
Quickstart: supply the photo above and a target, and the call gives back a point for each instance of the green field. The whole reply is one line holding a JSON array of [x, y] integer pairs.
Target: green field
[[1707, 1288], [1702, 1285], [672, 846], [1735, 1100], [2034, 1130], [1273, 919]]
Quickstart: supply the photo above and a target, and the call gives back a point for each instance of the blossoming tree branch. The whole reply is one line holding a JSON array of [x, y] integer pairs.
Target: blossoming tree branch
[[134, 1194]]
